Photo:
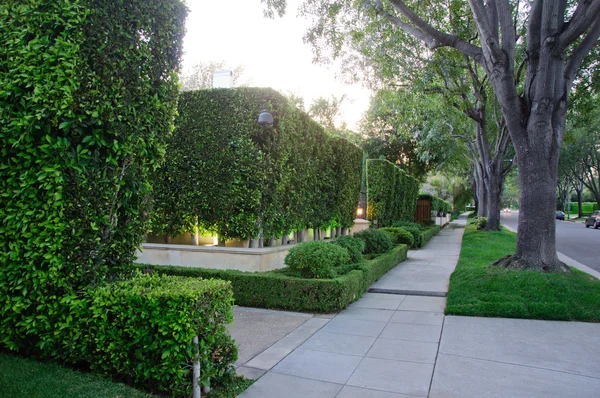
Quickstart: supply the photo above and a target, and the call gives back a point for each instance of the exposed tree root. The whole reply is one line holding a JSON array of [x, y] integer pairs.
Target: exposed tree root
[[513, 261]]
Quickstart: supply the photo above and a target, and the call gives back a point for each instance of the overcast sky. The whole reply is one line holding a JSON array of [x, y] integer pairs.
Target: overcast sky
[[271, 51]]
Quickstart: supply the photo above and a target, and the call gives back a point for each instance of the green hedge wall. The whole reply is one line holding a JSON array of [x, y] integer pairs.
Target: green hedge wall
[[240, 180], [143, 329], [391, 193], [88, 93], [277, 290], [437, 203]]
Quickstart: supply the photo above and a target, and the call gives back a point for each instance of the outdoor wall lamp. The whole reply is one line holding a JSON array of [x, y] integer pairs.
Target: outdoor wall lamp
[[265, 119]]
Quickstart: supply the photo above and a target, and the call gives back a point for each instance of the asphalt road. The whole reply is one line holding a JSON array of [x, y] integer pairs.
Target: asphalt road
[[573, 240]]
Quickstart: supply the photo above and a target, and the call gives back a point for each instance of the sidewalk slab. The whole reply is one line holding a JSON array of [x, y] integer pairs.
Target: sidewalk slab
[[570, 347], [393, 376], [339, 343], [402, 350], [275, 353], [318, 365], [357, 392], [275, 385], [463, 377]]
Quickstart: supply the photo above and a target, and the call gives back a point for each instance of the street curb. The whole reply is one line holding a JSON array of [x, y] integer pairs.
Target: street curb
[[408, 292], [568, 260]]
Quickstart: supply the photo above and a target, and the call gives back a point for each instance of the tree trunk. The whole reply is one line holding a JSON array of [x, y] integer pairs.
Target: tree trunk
[[579, 203], [481, 191], [494, 199], [536, 239]]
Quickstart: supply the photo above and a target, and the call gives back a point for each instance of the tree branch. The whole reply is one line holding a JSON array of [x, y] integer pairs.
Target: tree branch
[[440, 39], [585, 15], [580, 52]]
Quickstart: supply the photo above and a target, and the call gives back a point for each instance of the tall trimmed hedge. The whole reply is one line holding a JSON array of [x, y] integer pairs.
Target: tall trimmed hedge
[[391, 193], [88, 92], [437, 204], [240, 180]]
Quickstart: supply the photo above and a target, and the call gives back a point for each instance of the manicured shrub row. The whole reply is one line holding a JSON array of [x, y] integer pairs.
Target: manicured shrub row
[[143, 329], [277, 290], [437, 204], [316, 259], [240, 180], [354, 246], [401, 235], [376, 241], [426, 235], [391, 193], [88, 94]]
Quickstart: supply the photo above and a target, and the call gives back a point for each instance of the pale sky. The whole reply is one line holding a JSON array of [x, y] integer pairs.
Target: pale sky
[[271, 51]]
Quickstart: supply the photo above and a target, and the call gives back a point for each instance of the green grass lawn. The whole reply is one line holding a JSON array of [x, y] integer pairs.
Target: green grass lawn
[[478, 289], [21, 378], [27, 378]]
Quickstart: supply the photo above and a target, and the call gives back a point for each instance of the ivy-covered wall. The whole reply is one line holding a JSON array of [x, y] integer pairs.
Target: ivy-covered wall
[[391, 193], [241, 181], [88, 92]]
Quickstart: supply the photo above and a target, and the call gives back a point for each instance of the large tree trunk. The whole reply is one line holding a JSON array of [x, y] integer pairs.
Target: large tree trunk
[[536, 241]]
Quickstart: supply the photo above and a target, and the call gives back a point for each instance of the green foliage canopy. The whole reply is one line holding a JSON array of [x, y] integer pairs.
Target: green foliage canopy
[[241, 180], [391, 193], [87, 97]]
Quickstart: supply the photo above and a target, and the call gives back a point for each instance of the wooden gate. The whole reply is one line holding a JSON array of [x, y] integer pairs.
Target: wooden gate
[[423, 211]]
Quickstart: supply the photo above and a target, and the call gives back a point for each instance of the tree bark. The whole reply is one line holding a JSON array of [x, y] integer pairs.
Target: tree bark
[[494, 199], [481, 191], [536, 243]]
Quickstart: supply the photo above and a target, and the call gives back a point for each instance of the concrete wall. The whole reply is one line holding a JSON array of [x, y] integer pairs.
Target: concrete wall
[[359, 225], [252, 260]]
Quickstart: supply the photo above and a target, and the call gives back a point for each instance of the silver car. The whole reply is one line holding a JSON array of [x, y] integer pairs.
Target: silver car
[[593, 220]]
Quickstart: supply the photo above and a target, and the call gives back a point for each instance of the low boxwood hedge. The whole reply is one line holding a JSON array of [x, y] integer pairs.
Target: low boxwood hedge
[[280, 291], [426, 234]]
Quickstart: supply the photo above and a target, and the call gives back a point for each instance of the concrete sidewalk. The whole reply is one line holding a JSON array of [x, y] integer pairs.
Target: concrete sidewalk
[[400, 344]]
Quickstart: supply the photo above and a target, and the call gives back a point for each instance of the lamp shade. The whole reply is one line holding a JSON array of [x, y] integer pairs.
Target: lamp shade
[[265, 118]]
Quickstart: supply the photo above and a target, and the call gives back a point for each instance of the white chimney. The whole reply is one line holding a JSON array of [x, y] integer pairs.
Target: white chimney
[[223, 79]]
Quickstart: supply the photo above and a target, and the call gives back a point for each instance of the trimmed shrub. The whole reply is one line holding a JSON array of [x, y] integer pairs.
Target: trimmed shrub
[[391, 193], [143, 329], [401, 235], [414, 228], [280, 291], [376, 241], [427, 234], [87, 98], [228, 175], [354, 246], [481, 222], [316, 259]]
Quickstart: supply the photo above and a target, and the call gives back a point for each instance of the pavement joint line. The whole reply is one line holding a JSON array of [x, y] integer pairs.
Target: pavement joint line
[[401, 292], [523, 366], [374, 341], [437, 353]]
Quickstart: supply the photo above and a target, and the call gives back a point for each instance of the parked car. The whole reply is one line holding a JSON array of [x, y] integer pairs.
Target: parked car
[[507, 210], [560, 215], [593, 220]]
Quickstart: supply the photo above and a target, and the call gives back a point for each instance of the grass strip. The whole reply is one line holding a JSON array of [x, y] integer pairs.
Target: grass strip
[[20, 377], [479, 289]]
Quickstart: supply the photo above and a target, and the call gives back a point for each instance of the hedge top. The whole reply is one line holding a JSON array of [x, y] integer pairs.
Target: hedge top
[[241, 180]]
